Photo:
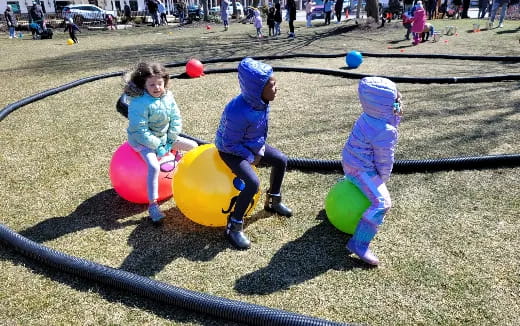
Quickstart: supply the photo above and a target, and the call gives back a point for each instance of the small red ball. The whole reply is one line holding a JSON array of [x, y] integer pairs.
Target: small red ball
[[194, 68]]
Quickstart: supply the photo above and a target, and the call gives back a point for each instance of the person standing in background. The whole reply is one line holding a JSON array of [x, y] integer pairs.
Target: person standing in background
[[11, 21], [338, 8]]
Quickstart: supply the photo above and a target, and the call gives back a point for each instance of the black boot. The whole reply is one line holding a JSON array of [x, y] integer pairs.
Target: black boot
[[273, 203], [235, 234]]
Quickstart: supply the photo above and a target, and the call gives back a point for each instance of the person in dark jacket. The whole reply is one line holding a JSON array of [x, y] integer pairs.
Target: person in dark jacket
[[72, 29], [338, 8], [291, 11], [128, 13], [153, 8], [277, 18], [270, 21], [241, 142], [37, 16], [11, 21]]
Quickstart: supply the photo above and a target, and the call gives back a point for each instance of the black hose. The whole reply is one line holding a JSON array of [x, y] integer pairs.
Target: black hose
[[238, 311], [413, 166], [397, 79], [366, 54], [400, 166], [216, 306], [36, 97]]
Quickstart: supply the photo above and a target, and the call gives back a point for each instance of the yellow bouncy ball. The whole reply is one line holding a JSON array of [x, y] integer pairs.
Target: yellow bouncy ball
[[205, 189], [70, 41]]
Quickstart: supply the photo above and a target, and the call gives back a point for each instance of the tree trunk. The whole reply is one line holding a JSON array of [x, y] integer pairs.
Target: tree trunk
[[373, 10], [205, 9]]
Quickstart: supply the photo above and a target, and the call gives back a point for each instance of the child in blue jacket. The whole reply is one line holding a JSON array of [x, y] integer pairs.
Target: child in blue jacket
[[154, 124], [241, 142]]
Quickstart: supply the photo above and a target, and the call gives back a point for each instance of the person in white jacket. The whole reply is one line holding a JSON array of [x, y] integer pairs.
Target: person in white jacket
[[308, 12], [258, 24]]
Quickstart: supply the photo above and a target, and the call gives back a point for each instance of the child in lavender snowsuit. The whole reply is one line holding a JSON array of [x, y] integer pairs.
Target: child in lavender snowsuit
[[368, 157], [258, 24]]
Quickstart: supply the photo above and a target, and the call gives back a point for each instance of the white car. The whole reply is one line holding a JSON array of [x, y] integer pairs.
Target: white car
[[84, 12], [240, 9]]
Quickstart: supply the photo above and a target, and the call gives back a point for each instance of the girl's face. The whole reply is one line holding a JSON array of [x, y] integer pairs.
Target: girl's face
[[155, 86], [269, 92]]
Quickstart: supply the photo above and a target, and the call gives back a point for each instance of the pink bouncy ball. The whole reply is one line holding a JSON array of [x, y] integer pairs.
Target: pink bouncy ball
[[128, 174]]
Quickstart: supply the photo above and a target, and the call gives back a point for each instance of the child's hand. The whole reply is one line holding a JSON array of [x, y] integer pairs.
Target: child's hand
[[169, 145], [161, 151], [257, 160], [398, 105]]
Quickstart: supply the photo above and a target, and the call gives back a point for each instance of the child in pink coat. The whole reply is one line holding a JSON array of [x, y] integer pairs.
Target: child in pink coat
[[418, 21]]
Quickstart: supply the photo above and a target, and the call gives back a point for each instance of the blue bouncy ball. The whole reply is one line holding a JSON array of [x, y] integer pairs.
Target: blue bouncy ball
[[354, 59]]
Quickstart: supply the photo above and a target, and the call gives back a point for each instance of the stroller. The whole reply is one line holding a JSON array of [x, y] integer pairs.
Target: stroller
[[40, 32]]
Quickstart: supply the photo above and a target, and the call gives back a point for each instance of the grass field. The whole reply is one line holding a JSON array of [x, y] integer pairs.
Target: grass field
[[448, 246]]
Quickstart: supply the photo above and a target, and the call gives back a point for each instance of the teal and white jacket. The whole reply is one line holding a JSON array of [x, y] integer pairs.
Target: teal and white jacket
[[153, 121]]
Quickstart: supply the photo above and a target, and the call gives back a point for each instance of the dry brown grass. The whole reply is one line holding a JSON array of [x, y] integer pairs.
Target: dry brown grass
[[447, 247]]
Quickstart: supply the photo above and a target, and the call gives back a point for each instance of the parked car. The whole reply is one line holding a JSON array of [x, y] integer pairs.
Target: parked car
[[84, 12], [195, 12], [240, 9], [317, 9]]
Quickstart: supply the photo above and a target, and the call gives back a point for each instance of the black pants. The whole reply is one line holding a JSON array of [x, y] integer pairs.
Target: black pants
[[243, 170], [327, 17], [338, 15], [291, 26], [73, 37]]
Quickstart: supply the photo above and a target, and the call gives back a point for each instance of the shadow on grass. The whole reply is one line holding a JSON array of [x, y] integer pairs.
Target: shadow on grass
[[318, 250], [483, 131], [509, 31], [156, 246], [153, 247], [114, 295], [103, 210], [173, 50]]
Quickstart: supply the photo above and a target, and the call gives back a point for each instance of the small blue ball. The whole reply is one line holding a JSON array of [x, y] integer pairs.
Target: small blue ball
[[354, 59]]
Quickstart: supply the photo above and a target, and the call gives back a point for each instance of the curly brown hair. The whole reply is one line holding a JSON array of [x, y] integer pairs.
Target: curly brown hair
[[137, 80]]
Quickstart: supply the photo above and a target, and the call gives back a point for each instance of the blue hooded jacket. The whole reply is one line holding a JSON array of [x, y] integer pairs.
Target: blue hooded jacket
[[244, 123]]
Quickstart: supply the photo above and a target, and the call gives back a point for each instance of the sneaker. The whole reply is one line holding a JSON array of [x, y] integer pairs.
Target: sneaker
[[500, 25], [490, 25], [155, 213]]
